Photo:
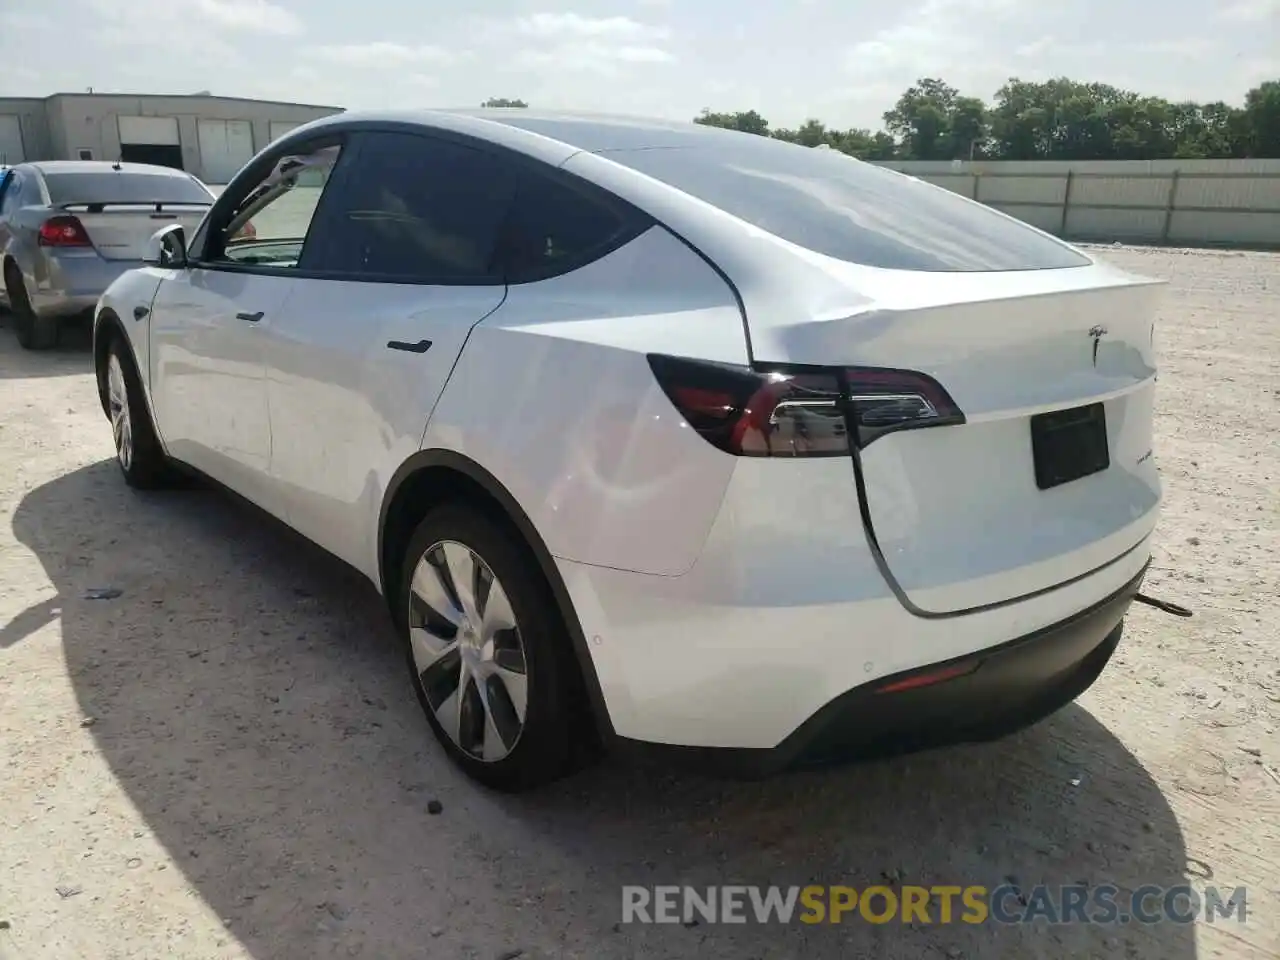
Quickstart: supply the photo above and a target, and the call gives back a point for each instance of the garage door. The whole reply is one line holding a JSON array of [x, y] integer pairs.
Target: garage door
[[10, 140], [225, 147], [280, 127], [149, 131]]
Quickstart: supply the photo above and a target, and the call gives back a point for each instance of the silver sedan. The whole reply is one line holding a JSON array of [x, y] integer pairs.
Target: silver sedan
[[69, 228]]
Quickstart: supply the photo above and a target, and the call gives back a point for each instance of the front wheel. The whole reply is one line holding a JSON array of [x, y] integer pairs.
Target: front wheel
[[488, 653], [138, 452]]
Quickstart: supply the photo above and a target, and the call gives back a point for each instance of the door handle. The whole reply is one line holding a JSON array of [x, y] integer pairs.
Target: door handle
[[251, 317], [422, 346]]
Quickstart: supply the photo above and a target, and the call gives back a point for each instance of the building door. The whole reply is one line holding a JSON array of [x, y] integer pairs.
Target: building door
[[225, 147], [150, 140], [11, 140]]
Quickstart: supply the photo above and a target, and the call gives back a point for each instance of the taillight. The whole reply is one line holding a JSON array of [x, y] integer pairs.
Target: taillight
[[883, 400], [798, 412], [63, 231]]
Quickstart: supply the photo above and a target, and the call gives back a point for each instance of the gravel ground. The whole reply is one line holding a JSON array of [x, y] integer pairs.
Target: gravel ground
[[226, 761]]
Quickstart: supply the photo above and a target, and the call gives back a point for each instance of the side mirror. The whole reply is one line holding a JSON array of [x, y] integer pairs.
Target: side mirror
[[167, 248]]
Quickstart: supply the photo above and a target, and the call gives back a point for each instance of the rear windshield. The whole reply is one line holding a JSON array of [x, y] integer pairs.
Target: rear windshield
[[123, 188], [830, 203]]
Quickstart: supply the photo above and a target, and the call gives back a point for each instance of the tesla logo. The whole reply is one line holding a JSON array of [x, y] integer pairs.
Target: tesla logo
[[1097, 332]]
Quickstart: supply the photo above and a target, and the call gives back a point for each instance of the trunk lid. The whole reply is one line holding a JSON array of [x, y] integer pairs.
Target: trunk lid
[[121, 231], [958, 512]]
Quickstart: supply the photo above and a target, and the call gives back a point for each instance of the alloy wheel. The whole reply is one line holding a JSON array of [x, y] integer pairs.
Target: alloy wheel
[[468, 651], [118, 408]]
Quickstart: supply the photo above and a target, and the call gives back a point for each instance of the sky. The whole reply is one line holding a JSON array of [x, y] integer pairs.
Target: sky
[[841, 61]]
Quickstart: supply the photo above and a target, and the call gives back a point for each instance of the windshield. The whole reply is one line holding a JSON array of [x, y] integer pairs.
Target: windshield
[[124, 187], [832, 204]]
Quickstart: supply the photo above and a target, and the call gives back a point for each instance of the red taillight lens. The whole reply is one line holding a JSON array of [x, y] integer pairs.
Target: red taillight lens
[[753, 414], [799, 412], [883, 400], [63, 231]]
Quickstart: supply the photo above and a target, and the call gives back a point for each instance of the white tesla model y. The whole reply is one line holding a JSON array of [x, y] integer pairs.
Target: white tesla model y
[[659, 435]]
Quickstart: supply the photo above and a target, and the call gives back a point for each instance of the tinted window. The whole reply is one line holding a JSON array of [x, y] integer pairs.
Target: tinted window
[[557, 224], [830, 203], [272, 221], [415, 209], [123, 187]]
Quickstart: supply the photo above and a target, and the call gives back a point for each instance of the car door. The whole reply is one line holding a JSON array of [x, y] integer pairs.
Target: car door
[[10, 201], [399, 268], [210, 319]]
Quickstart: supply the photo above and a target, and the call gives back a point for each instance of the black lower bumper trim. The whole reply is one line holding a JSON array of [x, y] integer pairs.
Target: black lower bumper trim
[[995, 692]]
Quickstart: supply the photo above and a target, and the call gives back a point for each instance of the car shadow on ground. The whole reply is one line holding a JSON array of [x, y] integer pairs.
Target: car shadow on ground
[[71, 355], [251, 700]]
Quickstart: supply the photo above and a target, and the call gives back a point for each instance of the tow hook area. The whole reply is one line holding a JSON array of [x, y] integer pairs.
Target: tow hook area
[[1165, 605]]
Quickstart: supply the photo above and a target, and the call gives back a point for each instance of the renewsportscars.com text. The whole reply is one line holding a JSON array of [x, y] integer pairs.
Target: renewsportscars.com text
[[939, 904]]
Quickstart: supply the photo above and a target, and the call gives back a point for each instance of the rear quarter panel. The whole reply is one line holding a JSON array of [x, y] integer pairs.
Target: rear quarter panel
[[553, 395]]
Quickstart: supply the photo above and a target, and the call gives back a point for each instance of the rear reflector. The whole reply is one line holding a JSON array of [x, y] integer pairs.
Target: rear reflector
[[798, 412], [929, 678], [63, 231]]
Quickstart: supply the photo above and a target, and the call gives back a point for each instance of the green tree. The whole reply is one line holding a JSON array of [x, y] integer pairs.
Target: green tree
[[503, 102], [1057, 119], [1260, 120], [744, 121]]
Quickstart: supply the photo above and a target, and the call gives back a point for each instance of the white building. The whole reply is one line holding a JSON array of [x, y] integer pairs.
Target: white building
[[209, 136]]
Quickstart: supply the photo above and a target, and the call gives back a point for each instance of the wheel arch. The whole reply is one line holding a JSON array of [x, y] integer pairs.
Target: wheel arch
[[433, 476], [107, 326]]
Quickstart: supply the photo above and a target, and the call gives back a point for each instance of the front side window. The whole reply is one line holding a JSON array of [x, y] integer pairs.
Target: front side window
[[415, 209], [269, 226]]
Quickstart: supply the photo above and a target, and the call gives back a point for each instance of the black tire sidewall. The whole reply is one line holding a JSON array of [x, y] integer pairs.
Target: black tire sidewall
[[33, 332], [149, 466], [544, 751]]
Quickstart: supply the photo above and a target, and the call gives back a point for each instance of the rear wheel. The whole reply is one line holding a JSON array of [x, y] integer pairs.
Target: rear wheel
[[33, 332], [138, 451], [487, 651]]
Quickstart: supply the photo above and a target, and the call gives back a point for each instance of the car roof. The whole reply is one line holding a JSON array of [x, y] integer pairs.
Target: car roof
[[590, 132], [103, 166]]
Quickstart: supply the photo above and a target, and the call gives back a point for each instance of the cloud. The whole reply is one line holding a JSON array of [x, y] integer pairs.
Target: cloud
[[564, 26], [250, 16], [382, 54], [200, 30], [573, 43], [1249, 11]]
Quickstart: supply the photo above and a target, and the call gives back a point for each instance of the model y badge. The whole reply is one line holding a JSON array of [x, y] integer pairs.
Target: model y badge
[[1097, 333]]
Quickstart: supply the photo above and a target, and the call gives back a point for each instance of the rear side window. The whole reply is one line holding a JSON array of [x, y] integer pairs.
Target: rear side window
[[414, 209], [832, 204], [123, 188], [558, 224]]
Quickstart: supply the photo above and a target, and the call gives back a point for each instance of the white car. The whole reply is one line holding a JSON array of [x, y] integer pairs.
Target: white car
[[660, 435]]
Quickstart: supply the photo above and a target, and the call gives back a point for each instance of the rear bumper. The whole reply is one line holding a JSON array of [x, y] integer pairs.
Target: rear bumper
[[985, 695], [70, 282]]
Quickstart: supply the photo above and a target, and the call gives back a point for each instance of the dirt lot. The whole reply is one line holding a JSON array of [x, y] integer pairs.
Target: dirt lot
[[226, 760]]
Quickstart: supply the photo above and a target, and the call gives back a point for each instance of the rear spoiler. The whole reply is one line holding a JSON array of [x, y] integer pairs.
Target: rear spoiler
[[97, 206]]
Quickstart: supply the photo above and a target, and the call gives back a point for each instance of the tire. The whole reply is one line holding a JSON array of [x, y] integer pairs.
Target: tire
[[141, 459], [33, 332], [478, 731]]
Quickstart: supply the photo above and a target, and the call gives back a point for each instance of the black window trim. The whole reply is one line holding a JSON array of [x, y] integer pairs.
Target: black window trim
[[347, 135], [240, 187]]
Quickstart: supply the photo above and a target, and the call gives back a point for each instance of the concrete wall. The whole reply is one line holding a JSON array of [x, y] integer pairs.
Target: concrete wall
[[1187, 202], [33, 120]]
